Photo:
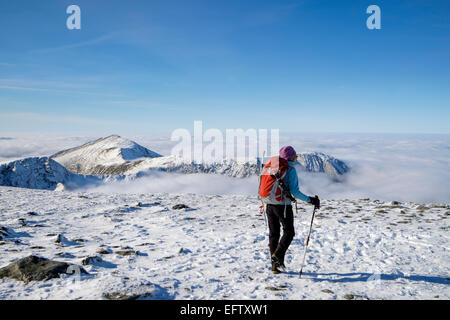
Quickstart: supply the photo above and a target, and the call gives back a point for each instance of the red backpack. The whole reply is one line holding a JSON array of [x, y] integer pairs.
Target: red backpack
[[272, 189]]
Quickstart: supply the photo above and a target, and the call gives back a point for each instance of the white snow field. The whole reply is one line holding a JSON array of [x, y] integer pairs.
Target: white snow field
[[218, 247]]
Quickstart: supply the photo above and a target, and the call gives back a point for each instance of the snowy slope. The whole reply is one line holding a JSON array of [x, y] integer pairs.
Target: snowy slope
[[36, 173], [218, 249], [42, 173], [110, 155]]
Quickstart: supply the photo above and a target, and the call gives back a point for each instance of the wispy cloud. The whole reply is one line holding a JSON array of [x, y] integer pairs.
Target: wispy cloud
[[37, 145], [271, 14], [86, 43], [143, 104], [58, 119], [23, 88], [52, 87]]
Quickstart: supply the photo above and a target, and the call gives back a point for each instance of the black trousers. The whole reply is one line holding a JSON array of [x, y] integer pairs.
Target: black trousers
[[276, 218]]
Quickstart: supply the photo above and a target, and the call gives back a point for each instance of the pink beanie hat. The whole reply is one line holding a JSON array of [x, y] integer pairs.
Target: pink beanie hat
[[288, 153]]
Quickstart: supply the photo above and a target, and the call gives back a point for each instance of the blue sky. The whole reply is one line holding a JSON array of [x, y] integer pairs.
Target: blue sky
[[147, 67]]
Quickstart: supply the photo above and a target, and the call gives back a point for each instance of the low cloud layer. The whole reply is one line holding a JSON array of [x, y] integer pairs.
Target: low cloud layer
[[386, 167], [19, 147]]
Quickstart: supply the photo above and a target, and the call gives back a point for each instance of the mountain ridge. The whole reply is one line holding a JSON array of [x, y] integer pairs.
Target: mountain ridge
[[116, 158]]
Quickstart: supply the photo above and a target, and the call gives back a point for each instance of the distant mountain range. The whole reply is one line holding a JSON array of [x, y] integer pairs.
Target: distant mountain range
[[115, 157]]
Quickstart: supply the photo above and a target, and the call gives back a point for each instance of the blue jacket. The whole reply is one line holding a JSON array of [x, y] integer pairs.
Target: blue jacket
[[291, 181]]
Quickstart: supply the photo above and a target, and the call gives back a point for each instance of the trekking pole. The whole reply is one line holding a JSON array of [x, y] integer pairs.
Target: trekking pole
[[307, 242], [262, 208]]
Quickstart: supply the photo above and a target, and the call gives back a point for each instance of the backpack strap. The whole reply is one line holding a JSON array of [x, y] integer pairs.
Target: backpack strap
[[284, 189]]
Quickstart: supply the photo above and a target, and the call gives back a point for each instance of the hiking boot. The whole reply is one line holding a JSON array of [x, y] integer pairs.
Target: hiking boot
[[275, 269], [275, 261], [275, 264]]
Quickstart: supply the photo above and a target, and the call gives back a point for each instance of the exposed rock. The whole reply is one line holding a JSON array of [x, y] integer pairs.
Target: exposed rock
[[320, 162], [277, 288], [122, 296], [91, 260], [126, 252], [59, 239], [35, 268], [4, 232], [63, 241], [103, 251], [180, 206], [184, 251], [327, 291]]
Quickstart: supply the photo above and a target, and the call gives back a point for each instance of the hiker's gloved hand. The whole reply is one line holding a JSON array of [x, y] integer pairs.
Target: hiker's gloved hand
[[315, 202]]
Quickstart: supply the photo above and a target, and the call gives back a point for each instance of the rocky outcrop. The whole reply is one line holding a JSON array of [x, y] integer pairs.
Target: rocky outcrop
[[35, 268], [320, 162], [173, 164]]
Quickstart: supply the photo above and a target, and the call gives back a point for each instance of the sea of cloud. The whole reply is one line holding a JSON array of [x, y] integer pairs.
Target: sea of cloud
[[383, 166]]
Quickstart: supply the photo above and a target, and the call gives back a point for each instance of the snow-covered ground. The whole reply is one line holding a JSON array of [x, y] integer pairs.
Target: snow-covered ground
[[218, 249]]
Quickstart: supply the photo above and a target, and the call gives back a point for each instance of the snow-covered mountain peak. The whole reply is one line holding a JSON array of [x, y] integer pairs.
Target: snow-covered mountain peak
[[97, 157]]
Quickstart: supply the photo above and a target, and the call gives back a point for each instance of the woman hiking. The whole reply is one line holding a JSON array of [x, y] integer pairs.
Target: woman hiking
[[278, 189]]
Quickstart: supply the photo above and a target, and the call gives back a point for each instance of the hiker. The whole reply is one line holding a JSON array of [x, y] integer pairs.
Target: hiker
[[278, 189]]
